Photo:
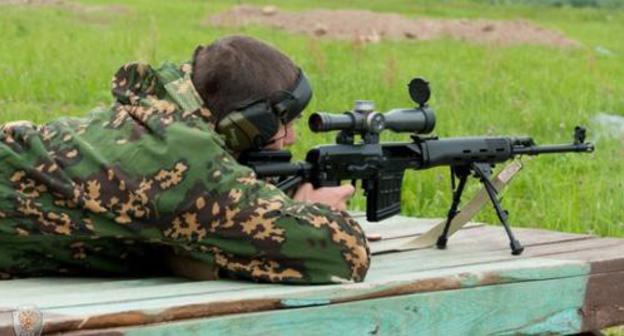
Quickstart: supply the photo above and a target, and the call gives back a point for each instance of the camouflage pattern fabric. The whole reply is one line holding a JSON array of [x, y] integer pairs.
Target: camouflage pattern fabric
[[107, 194]]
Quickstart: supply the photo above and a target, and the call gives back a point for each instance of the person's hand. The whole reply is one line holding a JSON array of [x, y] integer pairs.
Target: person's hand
[[334, 197]]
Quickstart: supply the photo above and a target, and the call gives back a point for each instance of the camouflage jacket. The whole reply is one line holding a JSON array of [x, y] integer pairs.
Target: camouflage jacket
[[97, 194]]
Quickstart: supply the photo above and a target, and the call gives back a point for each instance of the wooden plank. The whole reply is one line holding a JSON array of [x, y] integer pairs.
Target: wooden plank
[[46, 286], [92, 294], [490, 240], [586, 250], [398, 226], [417, 263], [492, 236], [604, 258], [480, 245], [604, 301], [497, 309], [410, 229], [52, 281], [518, 271], [153, 310]]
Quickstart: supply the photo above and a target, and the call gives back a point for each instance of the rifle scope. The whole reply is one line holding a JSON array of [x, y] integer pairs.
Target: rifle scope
[[363, 119]]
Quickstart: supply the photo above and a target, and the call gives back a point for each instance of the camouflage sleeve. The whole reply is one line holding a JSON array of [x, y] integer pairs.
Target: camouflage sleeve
[[253, 230]]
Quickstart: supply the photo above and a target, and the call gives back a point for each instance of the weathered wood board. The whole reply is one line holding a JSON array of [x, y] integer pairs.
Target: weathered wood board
[[562, 284]]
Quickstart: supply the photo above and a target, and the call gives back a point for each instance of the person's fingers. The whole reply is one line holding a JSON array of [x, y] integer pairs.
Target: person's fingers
[[307, 186], [349, 190], [344, 192], [339, 206], [335, 197], [303, 192]]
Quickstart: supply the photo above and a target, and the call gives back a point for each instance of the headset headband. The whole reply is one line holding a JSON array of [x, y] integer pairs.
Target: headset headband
[[295, 100], [252, 125]]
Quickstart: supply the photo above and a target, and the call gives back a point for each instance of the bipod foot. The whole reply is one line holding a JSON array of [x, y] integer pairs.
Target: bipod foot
[[516, 247], [483, 173], [441, 243]]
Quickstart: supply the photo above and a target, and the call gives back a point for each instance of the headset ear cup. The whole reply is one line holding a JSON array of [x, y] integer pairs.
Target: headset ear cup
[[250, 127], [265, 123], [235, 138]]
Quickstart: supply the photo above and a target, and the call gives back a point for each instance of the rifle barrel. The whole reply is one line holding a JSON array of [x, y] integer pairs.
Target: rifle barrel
[[535, 150]]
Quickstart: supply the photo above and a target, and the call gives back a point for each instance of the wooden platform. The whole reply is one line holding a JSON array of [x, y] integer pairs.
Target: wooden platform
[[562, 284]]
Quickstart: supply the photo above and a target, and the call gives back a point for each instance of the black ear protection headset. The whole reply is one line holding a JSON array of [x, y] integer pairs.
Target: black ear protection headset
[[253, 124]]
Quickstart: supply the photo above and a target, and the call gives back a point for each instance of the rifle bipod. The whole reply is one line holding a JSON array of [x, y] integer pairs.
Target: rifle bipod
[[483, 172]]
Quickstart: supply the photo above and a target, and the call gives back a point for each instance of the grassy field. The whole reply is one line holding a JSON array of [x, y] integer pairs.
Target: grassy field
[[58, 60]]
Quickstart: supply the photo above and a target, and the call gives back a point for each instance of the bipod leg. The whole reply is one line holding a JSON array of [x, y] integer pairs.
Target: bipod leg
[[462, 173], [516, 247]]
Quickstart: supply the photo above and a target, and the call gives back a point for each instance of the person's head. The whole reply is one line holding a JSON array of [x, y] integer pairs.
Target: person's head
[[236, 72]]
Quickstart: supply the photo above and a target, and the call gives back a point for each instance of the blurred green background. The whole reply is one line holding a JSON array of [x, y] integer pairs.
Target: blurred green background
[[58, 60]]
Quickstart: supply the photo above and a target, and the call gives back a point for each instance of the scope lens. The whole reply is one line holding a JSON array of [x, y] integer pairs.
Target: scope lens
[[315, 122]]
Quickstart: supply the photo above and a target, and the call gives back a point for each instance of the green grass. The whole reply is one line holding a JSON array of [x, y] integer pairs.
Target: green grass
[[56, 62]]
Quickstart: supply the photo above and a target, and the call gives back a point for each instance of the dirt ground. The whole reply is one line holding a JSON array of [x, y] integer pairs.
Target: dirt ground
[[370, 27], [70, 6]]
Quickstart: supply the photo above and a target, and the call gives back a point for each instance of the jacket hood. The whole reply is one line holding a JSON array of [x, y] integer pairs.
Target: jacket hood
[[169, 89]]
